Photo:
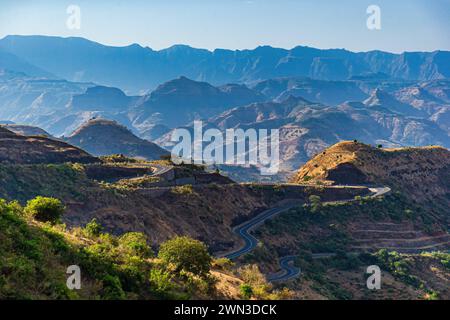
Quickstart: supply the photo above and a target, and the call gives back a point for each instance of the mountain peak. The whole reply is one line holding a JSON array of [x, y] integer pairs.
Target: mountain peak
[[379, 97], [94, 123], [182, 85], [26, 130]]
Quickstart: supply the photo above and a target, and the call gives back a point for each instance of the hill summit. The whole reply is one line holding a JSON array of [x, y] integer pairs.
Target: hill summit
[[105, 137], [422, 172]]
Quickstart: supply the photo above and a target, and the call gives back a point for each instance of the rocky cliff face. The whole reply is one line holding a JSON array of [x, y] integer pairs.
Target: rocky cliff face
[[100, 98]]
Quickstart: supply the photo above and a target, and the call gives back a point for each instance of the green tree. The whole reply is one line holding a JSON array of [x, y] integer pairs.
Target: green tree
[[186, 254], [315, 202], [45, 209]]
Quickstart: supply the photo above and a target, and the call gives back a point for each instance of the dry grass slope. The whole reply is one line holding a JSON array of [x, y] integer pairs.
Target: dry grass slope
[[422, 172]]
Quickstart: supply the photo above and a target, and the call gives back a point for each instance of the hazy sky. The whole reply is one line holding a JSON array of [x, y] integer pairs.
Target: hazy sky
[[406, 25]]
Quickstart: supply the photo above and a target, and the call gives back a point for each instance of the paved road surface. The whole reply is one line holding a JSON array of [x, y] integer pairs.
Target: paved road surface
[[288, 270], [160, 169], [242, 230]]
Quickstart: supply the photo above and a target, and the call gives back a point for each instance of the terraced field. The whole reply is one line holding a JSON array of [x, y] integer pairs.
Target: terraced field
[[400, 237]]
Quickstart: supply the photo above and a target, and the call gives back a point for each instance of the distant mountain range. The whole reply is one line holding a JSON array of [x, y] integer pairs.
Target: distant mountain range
[[315, 97], [60, 107], [136, 69], [182, 100], [307, 128]]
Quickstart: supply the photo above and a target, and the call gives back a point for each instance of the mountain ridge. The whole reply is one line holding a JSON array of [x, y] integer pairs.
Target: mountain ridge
[[94, 62], [18, 149]]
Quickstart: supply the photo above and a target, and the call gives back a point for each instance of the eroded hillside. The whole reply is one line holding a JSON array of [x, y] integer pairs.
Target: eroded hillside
[[18, 149], [423, 173], [105, 137]]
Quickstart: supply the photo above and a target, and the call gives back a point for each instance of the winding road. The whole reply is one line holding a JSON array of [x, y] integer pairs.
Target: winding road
[[288, 270], [160, 169], [244, 229]]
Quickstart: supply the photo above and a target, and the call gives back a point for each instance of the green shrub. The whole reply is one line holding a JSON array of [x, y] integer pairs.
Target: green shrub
[[187, 255], [161, 281], [315, 202], [431, 295], [185, 189], [246, 291], [45, 209], [398, 265], [93, 228], [112, 288], [223, 263], [252, 276], [135, 244]]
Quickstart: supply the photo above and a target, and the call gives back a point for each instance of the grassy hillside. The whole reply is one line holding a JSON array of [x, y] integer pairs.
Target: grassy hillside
[[119, 215], [35, 256], [404, 276]]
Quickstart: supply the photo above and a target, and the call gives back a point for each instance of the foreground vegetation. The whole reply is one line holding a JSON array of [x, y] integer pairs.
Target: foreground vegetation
[[36, 250], [35, 254]]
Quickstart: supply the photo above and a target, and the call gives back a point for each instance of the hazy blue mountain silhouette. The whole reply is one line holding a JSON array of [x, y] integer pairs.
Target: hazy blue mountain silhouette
[[11, 62], [135, 68]]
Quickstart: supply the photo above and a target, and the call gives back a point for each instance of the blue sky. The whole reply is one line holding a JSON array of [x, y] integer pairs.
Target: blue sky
[[406, 25]]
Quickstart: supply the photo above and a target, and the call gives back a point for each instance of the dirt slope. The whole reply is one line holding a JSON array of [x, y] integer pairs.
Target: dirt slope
[[18, 149]]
